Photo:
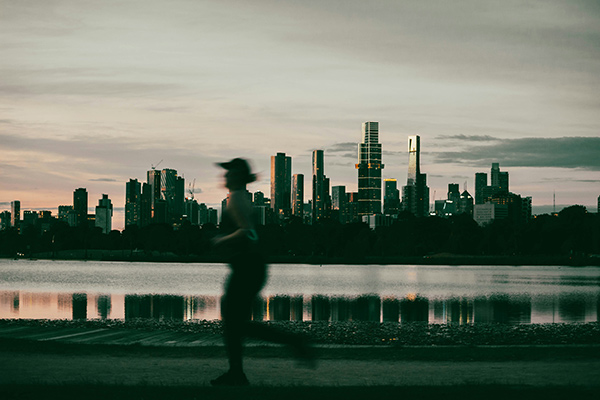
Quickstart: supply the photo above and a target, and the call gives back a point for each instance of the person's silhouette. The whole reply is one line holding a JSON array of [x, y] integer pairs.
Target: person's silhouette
[[248, 276]]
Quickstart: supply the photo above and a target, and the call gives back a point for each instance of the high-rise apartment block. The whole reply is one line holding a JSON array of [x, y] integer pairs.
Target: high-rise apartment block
[[499, 179], [415, 195], [499, 184], [5, 220], [352, 205], [480, 184], [513, 206], [146, 205], [339, 204], [281, 185], [164, 196], [15, 212], [153, 179], [259, 199], [172, 192], [321, 203], [369, 170], [133, 203], [104, 213], [29, 218], [192, 211], [465, 204], [298, 195], [80, 206], [67, 214], [391, 197]]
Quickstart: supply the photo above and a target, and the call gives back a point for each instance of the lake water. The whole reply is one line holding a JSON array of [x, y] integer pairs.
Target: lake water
[[435, 294]]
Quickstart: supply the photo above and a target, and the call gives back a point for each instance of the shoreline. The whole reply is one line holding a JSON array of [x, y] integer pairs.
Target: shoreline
[[357, 333], [433, 259], [47, 360]]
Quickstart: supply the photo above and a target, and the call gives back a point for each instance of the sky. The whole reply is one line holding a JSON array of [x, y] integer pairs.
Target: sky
[[94, 93]]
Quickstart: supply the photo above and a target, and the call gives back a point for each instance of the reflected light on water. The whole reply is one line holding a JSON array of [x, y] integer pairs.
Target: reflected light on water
[[46, 289], [369, 307]]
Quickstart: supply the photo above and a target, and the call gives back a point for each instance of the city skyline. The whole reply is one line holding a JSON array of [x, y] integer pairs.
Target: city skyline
[[167, 186], [96, 94]]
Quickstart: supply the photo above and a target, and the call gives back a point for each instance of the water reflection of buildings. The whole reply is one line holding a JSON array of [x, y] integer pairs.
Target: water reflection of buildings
[[510, 309]]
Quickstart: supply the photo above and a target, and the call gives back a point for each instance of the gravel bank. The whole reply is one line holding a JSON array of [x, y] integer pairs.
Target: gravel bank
[[373, 333]]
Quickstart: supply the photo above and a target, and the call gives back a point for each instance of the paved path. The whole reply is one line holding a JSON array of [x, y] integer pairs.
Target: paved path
[[174, 368]]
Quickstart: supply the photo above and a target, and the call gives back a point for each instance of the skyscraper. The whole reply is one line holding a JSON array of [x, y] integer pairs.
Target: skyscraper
[[498, 184], [80, 206], [453, 199], [281, 184], [391, 197], [5, 220], [259, 199], [15, 212], [495, 174], [152, 193], [465, 204], [480, 184], [146, 205], [133, 203], [298, 193], [415, 195], [172, 191], [339, 203], [104, 212], [369, 170], [320, 187]]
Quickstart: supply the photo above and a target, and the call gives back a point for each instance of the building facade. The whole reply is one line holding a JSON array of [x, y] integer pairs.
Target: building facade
[[133, 203], [298, 195], [415, 195], [281, 184], [80, 206], [369, 168], [480, 184], [15, 212], [339, 204], [321, 202], [104, 213], [391, 197]]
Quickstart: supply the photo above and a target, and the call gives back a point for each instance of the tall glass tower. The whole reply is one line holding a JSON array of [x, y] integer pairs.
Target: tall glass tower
[[369, 170], [281, 184], [133, 203], [80, 206], [298, 194], [320, 187], [415, 195]]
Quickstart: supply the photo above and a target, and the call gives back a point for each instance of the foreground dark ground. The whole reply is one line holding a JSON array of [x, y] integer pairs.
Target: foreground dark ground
[[162, 360]]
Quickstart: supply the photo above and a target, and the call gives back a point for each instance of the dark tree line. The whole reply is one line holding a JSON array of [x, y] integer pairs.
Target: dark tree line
[[572, 232]]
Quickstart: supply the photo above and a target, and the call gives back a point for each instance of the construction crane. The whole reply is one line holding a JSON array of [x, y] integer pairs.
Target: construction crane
[[191, 189], [154, 166]]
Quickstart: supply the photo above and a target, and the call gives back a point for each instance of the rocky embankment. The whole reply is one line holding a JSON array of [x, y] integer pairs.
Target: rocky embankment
[[374, 333]]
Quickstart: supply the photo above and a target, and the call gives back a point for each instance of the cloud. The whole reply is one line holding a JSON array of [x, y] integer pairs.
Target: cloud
[[470, 138], [89, 87], [342, 147], [566, 179], [103, 180], [565, 152]]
